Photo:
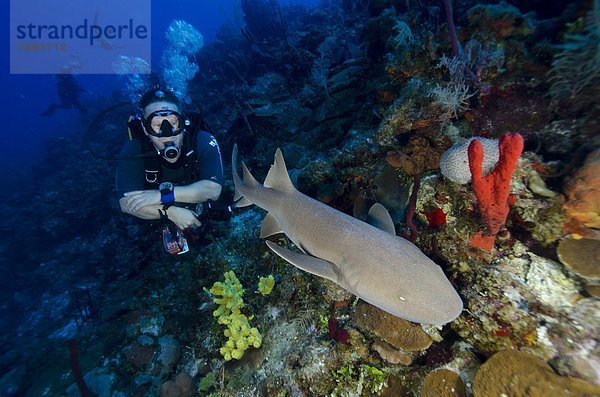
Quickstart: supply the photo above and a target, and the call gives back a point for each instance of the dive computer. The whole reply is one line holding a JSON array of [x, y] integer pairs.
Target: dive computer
[[167, 193]]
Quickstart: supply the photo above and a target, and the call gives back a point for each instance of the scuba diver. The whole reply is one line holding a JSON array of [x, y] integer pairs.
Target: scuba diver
[[68, 92], [180, 178]]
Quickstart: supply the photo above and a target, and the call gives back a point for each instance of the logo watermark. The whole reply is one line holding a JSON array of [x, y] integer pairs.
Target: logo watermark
[[79, 36]]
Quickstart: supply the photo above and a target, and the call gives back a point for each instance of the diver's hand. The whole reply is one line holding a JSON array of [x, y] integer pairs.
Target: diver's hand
[[141, 198], [183, 218]]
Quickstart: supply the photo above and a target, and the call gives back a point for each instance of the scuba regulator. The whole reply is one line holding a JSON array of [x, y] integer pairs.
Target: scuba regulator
[[170, 151]]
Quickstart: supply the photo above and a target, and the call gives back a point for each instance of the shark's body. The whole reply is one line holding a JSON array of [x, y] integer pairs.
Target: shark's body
[[371, 262]]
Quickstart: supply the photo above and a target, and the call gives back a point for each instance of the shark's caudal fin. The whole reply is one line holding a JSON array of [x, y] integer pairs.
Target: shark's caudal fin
[[249, 180], [277, 178]]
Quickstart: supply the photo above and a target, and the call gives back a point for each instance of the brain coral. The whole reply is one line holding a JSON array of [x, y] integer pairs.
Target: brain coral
[[454, 163]]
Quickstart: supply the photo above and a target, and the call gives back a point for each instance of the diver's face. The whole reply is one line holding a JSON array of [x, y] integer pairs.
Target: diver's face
[[161, 142]]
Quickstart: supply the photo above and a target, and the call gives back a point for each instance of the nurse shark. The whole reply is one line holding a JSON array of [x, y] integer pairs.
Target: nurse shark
[[366, 259]]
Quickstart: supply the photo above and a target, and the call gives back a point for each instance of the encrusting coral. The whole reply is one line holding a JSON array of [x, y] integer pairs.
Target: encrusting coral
[[241, 335], [515, 373], [583, 192], [443, 383], [581, 256]]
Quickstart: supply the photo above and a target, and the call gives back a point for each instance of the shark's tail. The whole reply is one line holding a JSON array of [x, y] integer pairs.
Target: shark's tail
[[277, 179], [242, 188]]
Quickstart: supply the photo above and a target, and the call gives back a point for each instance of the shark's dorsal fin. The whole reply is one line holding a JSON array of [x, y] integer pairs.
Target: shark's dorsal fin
[[380, 218], [311, 264], [278, 177], [269, 226]]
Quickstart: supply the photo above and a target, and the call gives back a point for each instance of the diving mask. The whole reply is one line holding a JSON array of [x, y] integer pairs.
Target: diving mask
[[165, 123]]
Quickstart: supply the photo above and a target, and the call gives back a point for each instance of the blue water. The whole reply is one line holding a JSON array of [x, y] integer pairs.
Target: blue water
[[28, 95]]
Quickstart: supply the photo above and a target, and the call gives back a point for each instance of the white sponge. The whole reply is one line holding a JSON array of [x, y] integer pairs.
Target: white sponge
[[454, 163]]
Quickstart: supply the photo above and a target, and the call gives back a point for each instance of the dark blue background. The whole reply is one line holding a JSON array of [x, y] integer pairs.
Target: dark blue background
[[24, 130], [25, 96]]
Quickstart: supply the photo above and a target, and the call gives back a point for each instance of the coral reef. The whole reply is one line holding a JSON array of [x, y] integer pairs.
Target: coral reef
[[397, 334], [364, 97], [581, 256], [583, 193], [443, 383], [515, 373], [182, 386]]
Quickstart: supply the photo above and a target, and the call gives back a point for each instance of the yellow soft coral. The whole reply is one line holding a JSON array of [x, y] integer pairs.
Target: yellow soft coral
[[241, 335], [266, 284]]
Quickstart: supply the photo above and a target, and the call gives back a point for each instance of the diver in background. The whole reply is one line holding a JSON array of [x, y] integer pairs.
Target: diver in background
[[68, 92], [180, 174]]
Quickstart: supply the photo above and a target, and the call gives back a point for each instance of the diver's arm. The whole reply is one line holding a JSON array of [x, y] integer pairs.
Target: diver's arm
[[149, 212], [198, 192], [182, 217]]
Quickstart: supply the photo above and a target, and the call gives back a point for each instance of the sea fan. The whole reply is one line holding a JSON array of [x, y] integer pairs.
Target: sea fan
[[469, 65], [322, 65], [404, 36], [575, 69]]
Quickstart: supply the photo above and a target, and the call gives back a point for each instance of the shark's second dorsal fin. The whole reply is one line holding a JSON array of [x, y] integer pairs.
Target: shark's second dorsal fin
[[269, 226], [278, 177], [380, 218], [308, 263]]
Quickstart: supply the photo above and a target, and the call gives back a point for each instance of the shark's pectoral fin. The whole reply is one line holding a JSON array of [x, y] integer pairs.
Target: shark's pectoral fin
[[311, 264], [269, 226], [380, 218]]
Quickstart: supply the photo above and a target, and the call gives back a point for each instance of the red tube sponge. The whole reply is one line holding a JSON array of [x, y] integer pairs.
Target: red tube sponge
[[492, 190]]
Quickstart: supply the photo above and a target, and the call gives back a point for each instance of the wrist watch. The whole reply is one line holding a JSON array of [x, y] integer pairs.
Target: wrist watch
[[167, 193]]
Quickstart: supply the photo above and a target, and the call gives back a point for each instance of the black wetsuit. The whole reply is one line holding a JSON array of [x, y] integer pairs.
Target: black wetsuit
[[200, 159]]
